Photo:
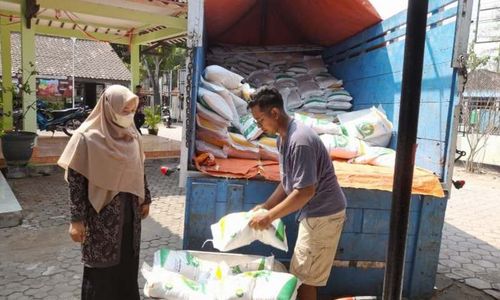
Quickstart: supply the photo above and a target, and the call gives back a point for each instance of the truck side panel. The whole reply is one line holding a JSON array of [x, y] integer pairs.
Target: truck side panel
[[371, 64], [360, 258]]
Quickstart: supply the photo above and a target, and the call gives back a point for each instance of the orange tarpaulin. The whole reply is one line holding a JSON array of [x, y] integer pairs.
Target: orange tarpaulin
[[241, 168], [381, 178], [349, 175], [286, 22]]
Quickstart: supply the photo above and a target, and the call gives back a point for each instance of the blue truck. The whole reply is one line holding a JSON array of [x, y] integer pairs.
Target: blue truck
[[370, 64]]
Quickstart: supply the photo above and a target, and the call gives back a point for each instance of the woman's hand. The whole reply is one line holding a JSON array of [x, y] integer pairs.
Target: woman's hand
[[144, 211], [77, 231]]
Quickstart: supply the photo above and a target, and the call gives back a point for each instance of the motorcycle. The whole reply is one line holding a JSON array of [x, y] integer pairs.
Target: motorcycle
[[165, 116], [65, 120]]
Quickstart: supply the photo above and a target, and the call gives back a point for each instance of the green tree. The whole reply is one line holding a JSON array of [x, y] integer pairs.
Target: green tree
[[156, 60], [478, 120], [162, 59], [475, 61]]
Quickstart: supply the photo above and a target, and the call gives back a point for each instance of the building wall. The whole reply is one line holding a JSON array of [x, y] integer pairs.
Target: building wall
[[490, 154]]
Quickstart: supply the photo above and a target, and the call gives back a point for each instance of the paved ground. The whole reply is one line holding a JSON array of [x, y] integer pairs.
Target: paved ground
[[470, 249], [38, 260]]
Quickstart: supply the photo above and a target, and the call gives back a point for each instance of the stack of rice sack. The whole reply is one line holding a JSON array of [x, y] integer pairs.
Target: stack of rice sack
[[364, 134], [359, 136], [182, 275], [225, 127], [303, 81]]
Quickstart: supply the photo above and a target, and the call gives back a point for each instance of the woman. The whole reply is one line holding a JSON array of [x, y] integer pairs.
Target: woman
[[104, 163]]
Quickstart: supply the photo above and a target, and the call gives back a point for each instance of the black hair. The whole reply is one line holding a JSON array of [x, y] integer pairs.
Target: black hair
[[266, 98], [138, 86]]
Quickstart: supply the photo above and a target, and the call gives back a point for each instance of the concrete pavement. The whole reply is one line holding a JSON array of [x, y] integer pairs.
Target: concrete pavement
[[38, 260], [470, 248]]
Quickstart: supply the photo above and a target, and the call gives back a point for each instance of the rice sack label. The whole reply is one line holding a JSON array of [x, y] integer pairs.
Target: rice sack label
[[233, 231]]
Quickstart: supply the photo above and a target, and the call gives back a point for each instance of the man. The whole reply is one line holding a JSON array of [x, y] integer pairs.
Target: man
[[308, 185], [139, 116]]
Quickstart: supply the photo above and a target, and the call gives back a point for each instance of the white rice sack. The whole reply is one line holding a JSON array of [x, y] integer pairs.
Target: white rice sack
[[260, 285], [315, 102], [309, 89], [319, 125], [209, 125], [202, 146], [224, 77], [277, 64], [285, 92], [265, 154], [339, 105], [325, 80], [233, 231], [293, 100], [212, 137], [246, 91], [298, 68], [335, 114], [284, 80], [249, 127], [340, 146], [314, 111], [250, 285], [377, 156], [338, 95], [164, 284], [261, 264], [240, 105], [227, 96], [303, 78], [261, 77], [268, 149], [188, 265], [215, 102], [388, 160], [370, 125], [269, 144], [315, 66], [239, 142], [230, 151], [212, 116], [213, 87]]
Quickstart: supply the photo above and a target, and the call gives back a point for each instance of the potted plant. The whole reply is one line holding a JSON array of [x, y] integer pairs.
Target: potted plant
[[152, 119], [17, 144]]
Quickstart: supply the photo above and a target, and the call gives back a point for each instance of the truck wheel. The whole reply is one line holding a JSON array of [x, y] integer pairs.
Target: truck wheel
[[70, 126]]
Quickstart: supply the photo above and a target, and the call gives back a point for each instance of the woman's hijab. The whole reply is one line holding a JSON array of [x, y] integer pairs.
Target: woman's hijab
[[107, 149]]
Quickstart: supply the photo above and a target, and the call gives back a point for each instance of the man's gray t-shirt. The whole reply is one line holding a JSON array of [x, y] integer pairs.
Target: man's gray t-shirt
[[304, 161]]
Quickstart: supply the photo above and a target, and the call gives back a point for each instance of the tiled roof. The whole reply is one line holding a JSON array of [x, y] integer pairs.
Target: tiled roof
[[54, 55], [483, 80]]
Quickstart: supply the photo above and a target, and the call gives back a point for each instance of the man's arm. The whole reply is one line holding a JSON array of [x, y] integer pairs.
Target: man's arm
[[295, 201], [304, 177], [276, 197]]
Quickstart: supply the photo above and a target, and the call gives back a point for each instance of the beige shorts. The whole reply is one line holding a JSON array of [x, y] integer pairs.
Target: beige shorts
[[316, 246]]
